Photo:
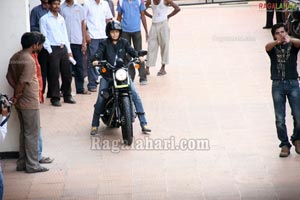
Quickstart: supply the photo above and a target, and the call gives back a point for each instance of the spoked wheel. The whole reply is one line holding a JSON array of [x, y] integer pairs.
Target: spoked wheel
[[127, 131]]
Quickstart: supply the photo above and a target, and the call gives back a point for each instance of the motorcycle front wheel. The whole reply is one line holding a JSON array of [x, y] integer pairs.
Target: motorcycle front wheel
[[127, 131]]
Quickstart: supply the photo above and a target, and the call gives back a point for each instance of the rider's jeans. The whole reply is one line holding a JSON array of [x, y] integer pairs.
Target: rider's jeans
[[282, 90], [98, 108], [104, 84], [138, 105]]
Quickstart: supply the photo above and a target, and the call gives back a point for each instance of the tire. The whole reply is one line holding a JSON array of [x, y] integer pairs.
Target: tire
[[127, 131]]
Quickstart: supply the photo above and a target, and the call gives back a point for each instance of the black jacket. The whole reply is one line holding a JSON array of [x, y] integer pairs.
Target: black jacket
[[108, 51]]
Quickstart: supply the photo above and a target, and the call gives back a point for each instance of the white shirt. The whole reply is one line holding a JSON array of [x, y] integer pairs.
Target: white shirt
[[73, 15], [96, 16], [55, 31]]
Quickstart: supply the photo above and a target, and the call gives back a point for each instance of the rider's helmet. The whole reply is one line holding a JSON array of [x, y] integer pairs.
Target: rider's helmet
[[113, 25]]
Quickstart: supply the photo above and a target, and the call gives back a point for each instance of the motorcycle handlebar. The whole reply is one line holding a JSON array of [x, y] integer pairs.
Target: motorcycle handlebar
[[108, 65]]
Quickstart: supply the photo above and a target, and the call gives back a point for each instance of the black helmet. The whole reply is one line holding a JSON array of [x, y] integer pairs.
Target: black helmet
[[113, 25]]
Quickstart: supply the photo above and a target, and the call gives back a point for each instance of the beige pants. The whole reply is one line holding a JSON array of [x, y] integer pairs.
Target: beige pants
[[159, 36], [29, 136]]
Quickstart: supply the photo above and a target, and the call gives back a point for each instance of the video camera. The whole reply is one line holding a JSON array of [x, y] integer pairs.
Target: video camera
[[5, 107]]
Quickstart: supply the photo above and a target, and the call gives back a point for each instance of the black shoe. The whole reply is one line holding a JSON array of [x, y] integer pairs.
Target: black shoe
[[19, 168], [267, 27], [145, 129], [55, 103], [83, 92], [69, 100], [41, 169]]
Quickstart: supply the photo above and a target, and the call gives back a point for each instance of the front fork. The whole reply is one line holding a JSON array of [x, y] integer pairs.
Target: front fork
[[117, 104]]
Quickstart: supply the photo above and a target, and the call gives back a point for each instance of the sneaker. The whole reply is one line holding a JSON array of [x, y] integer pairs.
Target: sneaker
[[94, 130], [145, 129], [145, 82], [296, 143], [285, 152]]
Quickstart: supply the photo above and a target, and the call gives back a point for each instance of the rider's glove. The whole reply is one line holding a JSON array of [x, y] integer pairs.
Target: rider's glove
[[142, 59], [95, 63]]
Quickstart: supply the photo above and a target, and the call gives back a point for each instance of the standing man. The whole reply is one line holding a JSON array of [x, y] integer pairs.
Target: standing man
[[35, 16], [41, 40], [73, 14], [21, 75], [97, 14], [283, 53], [159, 32], [130, 14], [53, 27], [272, 5]]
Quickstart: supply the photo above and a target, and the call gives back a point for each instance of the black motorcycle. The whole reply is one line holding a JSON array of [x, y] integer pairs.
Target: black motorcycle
[[292, 18], [118, 107]]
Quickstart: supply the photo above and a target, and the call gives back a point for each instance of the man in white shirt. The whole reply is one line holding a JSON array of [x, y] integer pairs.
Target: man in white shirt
[[97, 14], [53, 26], [73, 14]]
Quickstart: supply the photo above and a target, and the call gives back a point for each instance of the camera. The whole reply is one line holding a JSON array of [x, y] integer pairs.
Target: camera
[[5, 105]]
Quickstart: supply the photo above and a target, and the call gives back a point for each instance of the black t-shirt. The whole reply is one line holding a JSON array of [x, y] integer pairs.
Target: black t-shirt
[[284, 62]]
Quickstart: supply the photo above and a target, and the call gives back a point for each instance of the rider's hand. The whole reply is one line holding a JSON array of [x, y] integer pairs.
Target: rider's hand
[[142, 59], [287, 38], [95, 63]]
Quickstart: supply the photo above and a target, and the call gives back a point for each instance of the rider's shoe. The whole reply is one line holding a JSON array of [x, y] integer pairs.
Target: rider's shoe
[[94, 130], [145, 128]]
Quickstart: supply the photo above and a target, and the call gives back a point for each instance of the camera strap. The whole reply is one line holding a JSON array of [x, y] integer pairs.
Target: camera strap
[[5, 120]]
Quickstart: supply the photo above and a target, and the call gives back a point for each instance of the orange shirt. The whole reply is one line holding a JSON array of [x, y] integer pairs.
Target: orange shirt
[[39, 76]]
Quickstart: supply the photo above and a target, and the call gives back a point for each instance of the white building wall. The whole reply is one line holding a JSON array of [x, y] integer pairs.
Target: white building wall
[[14, 21]]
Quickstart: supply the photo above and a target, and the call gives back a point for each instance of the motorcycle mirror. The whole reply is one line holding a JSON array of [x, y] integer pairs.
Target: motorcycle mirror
[[142, 52]]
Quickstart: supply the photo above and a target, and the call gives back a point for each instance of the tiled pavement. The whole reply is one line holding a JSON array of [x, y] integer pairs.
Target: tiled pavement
[[217, 88]]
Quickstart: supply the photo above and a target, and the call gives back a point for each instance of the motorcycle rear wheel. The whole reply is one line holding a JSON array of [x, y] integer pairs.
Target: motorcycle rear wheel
[[127, 131]]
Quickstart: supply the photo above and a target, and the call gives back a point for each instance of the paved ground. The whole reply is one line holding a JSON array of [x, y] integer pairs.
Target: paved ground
[[216, 93]]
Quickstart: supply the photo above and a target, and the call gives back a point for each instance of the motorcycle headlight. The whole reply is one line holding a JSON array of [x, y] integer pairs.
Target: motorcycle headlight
[[121, 74]]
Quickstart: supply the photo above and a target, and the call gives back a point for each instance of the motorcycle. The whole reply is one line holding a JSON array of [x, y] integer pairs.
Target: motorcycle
[[118, 105], [292, 18]]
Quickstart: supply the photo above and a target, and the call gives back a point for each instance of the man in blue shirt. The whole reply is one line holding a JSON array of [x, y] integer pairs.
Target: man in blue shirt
[[130, 13], [36, 14]]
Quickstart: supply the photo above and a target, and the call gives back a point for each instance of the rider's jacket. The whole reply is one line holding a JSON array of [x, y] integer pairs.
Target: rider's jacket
[[111, 52]]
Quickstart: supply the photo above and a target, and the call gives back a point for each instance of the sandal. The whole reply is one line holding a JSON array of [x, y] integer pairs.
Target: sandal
[[161, 73], [46, 160]]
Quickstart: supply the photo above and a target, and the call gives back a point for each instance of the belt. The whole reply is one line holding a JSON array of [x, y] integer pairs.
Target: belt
[[58, 46]]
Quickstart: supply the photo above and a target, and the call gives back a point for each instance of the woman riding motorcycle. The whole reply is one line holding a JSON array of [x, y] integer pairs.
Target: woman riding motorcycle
[[111, 49]]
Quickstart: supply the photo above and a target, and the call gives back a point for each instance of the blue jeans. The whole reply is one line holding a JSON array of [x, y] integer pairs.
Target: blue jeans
[[282, 89], [40, 145], [98, 107], [78, 68], [104, 84], [92, 72], [1, 184], [138, 105]]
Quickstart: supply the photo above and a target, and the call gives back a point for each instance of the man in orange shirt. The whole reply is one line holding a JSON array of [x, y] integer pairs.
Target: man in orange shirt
[[41, 39]]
